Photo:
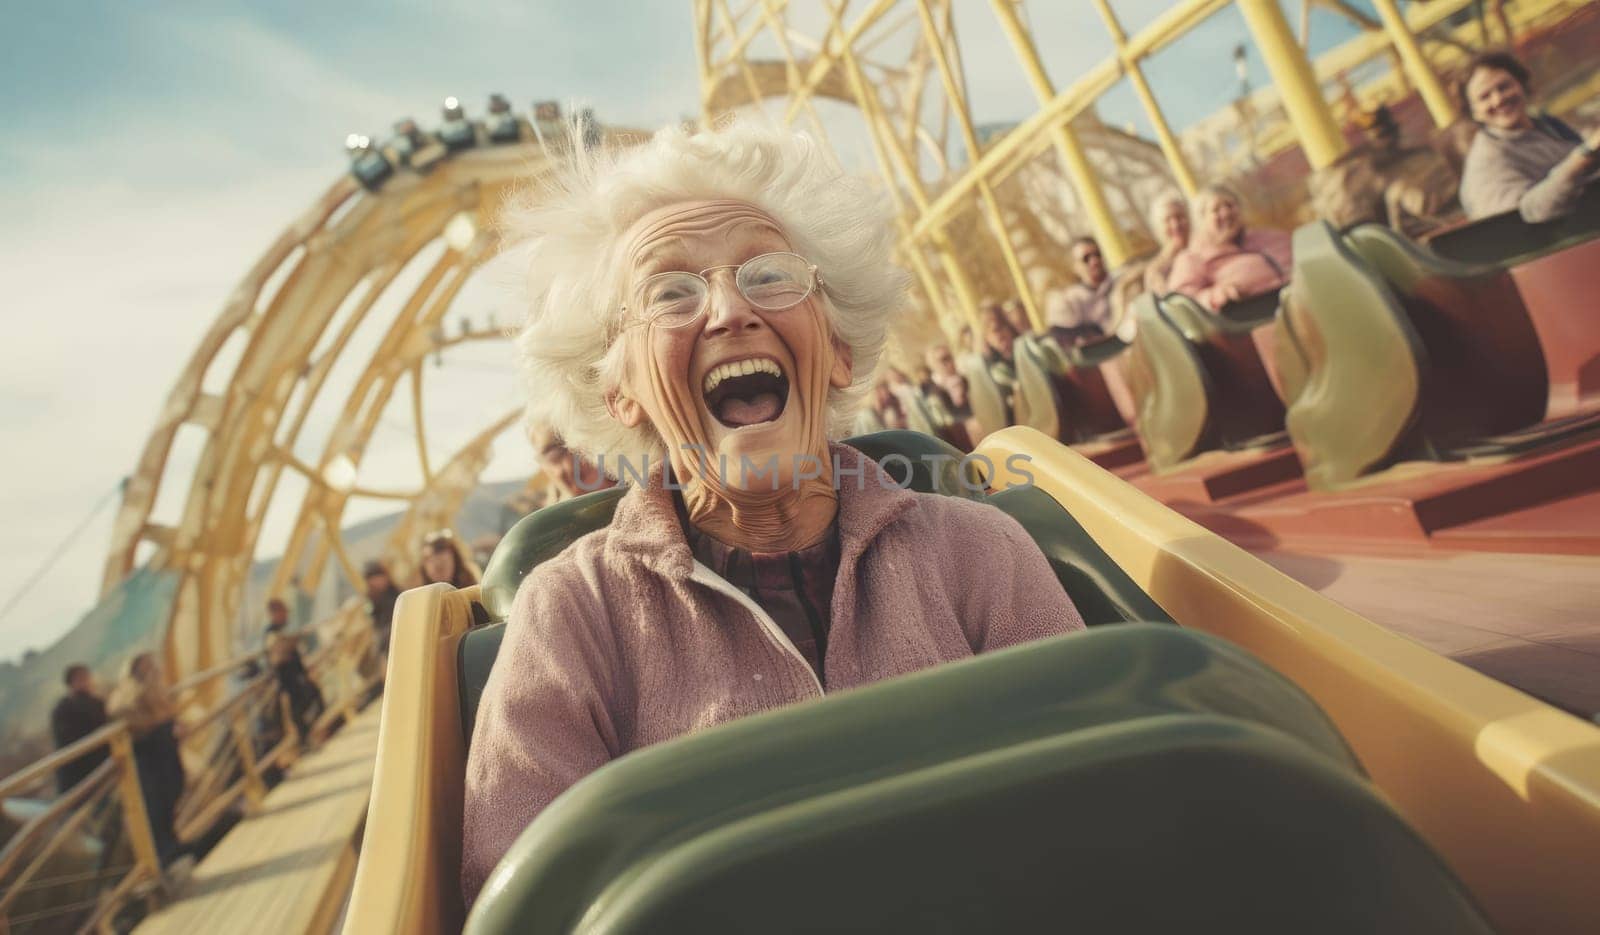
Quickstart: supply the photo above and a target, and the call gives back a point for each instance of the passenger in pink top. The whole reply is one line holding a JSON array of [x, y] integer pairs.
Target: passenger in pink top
[[1224, 262], [716, 304]]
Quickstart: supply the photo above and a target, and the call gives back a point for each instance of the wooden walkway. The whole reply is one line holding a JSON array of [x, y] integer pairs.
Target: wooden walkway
[[287, 869]]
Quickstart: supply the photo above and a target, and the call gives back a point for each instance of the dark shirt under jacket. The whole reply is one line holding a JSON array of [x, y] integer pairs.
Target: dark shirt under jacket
[[75, 717], [794, 588]]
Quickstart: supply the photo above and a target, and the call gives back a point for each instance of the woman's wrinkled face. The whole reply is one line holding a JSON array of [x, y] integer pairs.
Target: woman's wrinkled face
[[1498, 99], [1219, 218], [439, 564], [738, 382], [1175, 225]]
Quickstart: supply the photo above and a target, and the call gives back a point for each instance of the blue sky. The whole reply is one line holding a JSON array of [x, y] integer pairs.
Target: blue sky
[[152, 150]]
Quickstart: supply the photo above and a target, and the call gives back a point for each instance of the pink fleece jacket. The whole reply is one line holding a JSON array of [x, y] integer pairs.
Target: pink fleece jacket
[[1208, 274], [624, 640]]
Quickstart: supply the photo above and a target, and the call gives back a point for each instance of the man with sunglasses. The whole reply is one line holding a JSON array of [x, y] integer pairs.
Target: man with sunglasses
[[1082, 311]]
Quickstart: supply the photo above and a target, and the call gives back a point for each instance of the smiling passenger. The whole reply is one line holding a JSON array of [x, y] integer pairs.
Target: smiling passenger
[[1533, 163], [714, 305]]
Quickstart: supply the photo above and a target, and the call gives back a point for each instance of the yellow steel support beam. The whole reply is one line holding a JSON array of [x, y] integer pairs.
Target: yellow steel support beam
[[772, 14], [1416, 65], [1164, 135], [1084, 180], [702, 48], [885, 141], [958, 103], [1302, 96], [1065, 105], [912, 250], [825, 60], [417, 420]]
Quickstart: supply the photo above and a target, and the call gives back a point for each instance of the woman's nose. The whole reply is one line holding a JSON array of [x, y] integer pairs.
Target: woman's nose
[[728, 311]]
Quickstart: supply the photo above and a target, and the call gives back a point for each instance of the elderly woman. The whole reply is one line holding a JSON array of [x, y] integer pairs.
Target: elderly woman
[[716, 304], [1532, 163], [1169, 218], [1224, 262]]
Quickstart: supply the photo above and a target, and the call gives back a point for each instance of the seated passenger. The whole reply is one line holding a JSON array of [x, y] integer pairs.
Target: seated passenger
[[672, 316], [570, 475], [381, 597], [888, 406], [949, 380], [1410, 188], [1082, 311], [937, 399], [1017, 314], [999, 353], [1169, 218], [1224, 262], [966, 341], [1533, 163], [443, 560]]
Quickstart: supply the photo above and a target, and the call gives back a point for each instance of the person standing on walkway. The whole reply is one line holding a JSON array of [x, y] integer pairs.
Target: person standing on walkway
[[78, 714]]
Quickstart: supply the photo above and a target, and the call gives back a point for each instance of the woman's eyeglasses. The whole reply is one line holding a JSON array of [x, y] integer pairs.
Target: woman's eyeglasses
[[438, 535], [771, 282]]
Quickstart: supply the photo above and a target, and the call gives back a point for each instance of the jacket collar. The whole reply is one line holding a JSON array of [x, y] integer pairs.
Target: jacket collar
[[646, 525]]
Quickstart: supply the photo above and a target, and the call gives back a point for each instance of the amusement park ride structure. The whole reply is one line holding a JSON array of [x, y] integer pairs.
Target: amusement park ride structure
[[298, 306], [976, 216]]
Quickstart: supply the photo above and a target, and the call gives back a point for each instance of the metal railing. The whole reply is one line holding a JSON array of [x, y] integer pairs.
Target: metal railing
[[91, 851]]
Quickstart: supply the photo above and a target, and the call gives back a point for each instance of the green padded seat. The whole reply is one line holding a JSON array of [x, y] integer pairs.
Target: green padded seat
[[1253, 311], [1396, 354], [1095, 353], [1099, 588], [1199, 381], [1102, 591], [1245, 410], [1352, 365], [1063, 393], [1135, 778], [1037, 404], [1170, 385]]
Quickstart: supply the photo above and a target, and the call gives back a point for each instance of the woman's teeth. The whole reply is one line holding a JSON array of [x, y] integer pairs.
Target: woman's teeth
[[740, 368]]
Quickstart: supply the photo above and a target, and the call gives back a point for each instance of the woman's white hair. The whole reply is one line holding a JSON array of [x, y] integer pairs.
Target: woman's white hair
[[1160, 207], [1215, 191], [567, 231]]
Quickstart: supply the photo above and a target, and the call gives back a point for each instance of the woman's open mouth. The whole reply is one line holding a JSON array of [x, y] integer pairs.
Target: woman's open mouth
[[746, 392]]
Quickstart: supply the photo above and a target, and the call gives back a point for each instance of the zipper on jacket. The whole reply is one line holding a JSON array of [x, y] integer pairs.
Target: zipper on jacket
[[716, 582]]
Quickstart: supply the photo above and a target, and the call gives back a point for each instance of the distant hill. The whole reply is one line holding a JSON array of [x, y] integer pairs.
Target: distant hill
[[129, 620]]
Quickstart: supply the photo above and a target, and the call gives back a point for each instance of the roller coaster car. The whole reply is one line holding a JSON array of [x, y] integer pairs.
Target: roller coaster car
[[1136, 777], [1199, 380], [1064, 395], [1506, 240], [1391, 353]]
